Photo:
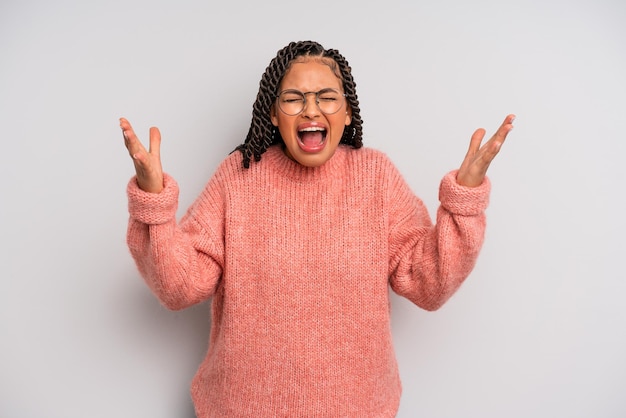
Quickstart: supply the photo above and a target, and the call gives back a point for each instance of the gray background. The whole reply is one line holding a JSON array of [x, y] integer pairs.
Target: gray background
[[538, 330]]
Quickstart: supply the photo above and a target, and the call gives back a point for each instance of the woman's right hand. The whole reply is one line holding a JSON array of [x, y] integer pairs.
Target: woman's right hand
[[147, 162]]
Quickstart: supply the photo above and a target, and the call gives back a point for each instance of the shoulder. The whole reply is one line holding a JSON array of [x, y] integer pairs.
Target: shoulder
[[371, 160], [366, 153], [232, 162], [230, 168]]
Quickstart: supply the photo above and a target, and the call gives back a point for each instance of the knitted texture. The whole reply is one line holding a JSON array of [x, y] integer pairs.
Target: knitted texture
[[298, 262]]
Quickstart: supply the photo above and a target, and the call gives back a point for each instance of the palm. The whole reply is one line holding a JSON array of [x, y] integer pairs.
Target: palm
[[147, 162], [478, 158]]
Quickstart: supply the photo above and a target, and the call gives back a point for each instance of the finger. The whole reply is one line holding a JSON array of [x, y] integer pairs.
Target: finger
[[509, 119], [489, 152], [126, 130], [493, 146], [125, 126], [473, 150], [503, 130], [155, 141], [475, 141], [133, 144], [124, 123]]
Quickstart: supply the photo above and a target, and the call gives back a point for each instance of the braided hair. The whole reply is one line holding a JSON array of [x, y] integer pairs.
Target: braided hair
[[262, 133]]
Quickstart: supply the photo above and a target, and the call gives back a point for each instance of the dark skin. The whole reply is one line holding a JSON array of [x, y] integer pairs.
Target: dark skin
[[471, 173]]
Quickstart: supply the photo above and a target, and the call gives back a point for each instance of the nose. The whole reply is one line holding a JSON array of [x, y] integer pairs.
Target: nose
[[311, 108]]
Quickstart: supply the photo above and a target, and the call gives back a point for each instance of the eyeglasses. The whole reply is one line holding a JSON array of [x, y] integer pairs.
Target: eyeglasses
[[292, 102]]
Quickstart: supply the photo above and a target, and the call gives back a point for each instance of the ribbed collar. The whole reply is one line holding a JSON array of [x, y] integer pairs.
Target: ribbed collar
[[284, 166]]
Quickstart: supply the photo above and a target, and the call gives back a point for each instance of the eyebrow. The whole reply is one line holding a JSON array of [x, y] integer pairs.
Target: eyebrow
[[308, 92]]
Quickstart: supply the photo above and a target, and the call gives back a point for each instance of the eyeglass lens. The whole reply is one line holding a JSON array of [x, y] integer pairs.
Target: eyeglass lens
[[292, 102]]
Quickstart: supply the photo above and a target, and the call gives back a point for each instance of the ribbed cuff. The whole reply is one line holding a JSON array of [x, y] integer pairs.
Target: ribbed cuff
[[462, 200], [153, 208]]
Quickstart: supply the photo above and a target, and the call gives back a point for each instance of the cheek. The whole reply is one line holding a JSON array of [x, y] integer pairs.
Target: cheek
[[282, 123]]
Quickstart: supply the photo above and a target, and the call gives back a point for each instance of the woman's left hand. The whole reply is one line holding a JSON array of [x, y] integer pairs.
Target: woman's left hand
[[474, 167]]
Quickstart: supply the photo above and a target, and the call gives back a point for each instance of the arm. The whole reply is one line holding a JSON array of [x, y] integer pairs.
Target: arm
[[430, 262], [181, 263]]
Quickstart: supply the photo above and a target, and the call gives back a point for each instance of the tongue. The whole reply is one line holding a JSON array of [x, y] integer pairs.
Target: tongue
[[311, 139]]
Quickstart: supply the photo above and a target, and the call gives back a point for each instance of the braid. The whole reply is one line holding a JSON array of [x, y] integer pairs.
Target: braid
[[262, 133], [353, 134]]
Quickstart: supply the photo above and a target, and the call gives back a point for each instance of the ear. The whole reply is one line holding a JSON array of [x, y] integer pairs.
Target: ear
[[273, 116], [348, 116]]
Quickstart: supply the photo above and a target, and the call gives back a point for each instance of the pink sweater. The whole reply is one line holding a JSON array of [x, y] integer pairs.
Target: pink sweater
[[298, 262]]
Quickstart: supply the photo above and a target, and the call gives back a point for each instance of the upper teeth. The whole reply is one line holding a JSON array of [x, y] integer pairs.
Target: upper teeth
[[312, 129]]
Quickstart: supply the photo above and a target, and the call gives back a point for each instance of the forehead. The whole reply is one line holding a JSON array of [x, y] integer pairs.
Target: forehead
[[311, 74]]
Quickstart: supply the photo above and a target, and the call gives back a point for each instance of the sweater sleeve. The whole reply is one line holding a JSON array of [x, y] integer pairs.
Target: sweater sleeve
[[180, 262], [428, 263]]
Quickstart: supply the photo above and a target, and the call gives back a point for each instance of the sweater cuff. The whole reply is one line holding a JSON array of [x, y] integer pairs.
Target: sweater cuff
[[153, 208], [463, 200]]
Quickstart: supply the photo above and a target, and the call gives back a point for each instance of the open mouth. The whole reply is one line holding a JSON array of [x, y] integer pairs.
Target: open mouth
[[312, 139]]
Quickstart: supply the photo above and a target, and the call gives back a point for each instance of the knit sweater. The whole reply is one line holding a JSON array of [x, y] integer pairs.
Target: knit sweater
[[298, 262]]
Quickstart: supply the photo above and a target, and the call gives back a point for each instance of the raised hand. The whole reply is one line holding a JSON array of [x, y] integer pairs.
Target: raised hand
[[147, 162], [474, 167]]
